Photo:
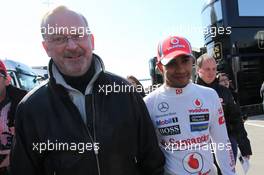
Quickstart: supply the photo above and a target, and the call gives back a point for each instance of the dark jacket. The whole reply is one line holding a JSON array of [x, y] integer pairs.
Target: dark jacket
[[120, 124], [234, 123], [15, 95]]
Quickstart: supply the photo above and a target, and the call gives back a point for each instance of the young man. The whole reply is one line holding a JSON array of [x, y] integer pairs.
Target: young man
[[187, 116], [71, 125], [9, 98]]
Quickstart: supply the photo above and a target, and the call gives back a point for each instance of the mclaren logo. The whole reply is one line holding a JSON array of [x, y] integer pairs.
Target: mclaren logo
[[163, 107]]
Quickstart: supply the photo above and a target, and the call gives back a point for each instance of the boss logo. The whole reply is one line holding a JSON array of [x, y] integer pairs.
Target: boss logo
[[172, 130]]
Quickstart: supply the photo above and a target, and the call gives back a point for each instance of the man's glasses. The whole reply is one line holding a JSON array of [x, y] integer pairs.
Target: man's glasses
[[63, 39]]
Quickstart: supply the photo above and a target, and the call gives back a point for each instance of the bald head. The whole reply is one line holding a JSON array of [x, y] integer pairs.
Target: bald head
[[53, 22]]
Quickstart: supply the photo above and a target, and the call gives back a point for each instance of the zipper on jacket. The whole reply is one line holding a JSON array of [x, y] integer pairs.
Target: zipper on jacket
[[95, 151], [93, 139]]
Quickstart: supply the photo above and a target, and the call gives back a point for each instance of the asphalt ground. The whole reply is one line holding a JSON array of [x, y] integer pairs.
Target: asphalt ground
[[255, 129]]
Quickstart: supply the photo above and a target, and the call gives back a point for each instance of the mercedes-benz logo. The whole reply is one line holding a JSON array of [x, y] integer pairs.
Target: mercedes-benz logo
[[163, 107]]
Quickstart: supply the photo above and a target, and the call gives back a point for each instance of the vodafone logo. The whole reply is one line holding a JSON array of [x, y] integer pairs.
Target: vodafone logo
[[174, 41], [193, 162], [197, 103]]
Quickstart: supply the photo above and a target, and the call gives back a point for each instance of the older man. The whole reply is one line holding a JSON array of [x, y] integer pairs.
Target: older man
[[71, 125]]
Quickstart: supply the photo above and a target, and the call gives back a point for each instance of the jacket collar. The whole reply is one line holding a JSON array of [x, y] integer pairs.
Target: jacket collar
[[57, 79], [211, 85]]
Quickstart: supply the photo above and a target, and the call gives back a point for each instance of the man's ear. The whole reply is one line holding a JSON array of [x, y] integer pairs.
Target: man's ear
[[45, 46], [92, 40]]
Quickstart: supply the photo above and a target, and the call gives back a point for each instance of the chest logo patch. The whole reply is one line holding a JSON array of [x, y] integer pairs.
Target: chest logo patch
[[163, 107], [199, 117], [198, 103], [193, 162]]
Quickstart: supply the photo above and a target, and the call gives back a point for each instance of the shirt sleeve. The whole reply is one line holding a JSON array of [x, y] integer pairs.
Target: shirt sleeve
[[221, 144]]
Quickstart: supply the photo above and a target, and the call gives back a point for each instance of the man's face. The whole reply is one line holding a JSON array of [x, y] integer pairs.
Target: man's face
[[177, 73], [207, 72], [73, 57], [224, 81], [131, 81]]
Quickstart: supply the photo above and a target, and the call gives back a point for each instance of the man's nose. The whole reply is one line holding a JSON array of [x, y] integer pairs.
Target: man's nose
[[179, 68], [212, 72], [71, 44]]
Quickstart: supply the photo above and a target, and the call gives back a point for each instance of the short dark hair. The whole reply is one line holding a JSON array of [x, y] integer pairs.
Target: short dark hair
[[220, 74]]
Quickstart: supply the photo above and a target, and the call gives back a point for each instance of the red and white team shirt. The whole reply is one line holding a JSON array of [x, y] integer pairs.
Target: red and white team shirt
[[187, 120]]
